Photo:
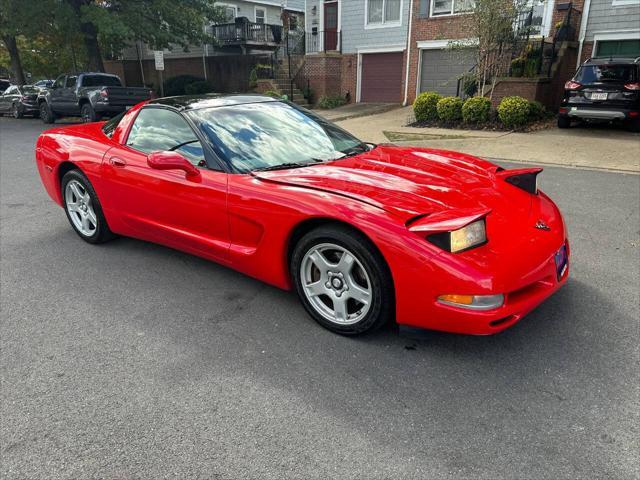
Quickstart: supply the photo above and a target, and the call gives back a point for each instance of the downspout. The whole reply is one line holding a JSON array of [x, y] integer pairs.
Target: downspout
[[406, 79], [583, 28]]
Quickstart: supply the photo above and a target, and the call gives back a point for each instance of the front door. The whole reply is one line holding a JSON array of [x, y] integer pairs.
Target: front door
[[331, 26], [164, 206], [56, 94]]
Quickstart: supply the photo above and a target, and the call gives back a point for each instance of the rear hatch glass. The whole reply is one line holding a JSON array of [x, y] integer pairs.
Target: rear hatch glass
[[606, 74]]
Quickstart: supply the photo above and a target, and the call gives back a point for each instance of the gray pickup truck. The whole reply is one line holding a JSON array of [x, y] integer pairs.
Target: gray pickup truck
[[90, 95]]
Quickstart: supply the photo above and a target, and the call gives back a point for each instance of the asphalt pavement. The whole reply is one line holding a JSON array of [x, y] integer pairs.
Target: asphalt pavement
[[131, 360]]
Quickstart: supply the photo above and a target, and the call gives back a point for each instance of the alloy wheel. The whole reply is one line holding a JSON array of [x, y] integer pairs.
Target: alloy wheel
[[336, 284], [80, 208]]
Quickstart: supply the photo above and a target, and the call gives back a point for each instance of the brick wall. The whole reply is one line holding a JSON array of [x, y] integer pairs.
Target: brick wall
[[529, 88], [587, 51], [324, 71], [349, 76]]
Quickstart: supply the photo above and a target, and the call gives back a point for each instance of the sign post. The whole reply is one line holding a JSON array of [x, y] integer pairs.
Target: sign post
[[158, 56]]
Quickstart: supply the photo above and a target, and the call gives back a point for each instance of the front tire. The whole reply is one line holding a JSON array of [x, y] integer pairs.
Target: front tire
[[342, 280], [83, 208], [46, 114]]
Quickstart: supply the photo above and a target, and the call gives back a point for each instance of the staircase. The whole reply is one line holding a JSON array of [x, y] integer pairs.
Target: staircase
[[284, 80], [288, 61]]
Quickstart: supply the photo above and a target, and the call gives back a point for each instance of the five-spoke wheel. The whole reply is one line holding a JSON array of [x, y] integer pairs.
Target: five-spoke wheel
[[83, 208], [342, 280]]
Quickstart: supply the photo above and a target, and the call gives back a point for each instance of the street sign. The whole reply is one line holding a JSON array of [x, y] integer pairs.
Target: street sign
[[158, 56]]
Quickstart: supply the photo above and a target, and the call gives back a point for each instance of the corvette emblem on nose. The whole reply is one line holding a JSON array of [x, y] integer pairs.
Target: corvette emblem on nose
[[540, 225]]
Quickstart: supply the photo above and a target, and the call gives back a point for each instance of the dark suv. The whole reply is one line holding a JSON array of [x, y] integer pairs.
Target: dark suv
[[603, 90]]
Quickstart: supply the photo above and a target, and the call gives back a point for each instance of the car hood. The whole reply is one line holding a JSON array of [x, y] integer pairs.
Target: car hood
[[411, 182]]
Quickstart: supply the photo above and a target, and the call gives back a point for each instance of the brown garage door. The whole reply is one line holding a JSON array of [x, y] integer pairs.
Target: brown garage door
[[381, 77]]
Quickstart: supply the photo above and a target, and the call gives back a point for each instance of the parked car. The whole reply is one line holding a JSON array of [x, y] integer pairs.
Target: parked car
[[19, 101], [365, 234], [90, 95], [43, 84], [603, 89], [4, 84]]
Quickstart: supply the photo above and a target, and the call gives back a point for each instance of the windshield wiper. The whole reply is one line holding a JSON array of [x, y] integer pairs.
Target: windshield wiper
[[357, 150], [281, 166]]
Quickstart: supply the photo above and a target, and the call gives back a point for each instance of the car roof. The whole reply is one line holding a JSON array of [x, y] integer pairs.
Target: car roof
[[211, 100], [611, 61]]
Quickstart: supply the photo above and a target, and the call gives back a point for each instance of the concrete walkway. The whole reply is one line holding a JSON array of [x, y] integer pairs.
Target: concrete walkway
[[594, 147]]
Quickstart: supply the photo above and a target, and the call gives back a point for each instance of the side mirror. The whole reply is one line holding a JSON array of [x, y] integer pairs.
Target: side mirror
[[173, 161]]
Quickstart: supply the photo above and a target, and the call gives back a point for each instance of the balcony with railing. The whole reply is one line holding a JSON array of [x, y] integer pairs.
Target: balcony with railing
[[248, 33]]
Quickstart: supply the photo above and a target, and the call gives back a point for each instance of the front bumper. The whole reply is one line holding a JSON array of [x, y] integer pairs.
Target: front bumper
[[518, 303]]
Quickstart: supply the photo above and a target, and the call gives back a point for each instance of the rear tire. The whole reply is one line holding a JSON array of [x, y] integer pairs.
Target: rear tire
[[634, 126], [342, 280], [83, 209], [17, 111], [564, 122], [46, 114]]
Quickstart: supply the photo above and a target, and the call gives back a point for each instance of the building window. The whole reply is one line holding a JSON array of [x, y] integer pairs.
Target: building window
[[380, 12], [229, 13], [260, 15], [450, 7]]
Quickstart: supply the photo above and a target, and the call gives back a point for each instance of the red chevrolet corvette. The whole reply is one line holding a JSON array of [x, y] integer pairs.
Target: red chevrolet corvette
[[363, 233]]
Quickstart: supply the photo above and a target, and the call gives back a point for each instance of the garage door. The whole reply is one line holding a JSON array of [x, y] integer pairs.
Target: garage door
[[381, 76], [441, 69], [618, 48]]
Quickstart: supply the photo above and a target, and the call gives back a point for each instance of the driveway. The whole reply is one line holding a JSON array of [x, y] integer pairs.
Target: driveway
[[131, 360]]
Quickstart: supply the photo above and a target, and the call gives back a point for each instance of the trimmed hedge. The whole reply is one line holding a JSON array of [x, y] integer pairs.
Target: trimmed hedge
[[450, 109], [178, 85], [476, 110], [272, 93], [514, 111], [425, 107]]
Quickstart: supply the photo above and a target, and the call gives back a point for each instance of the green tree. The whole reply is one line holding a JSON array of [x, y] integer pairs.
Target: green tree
[[21, 17], [160, 23]]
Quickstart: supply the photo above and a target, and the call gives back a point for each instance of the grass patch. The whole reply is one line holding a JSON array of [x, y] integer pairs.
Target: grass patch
[[410, 137]]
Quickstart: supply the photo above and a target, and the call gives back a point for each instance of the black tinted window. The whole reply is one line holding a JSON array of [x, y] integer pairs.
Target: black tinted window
[[71, 82], [100, 81], [159, 130], [4, 84], [112, 124], [605, 73]]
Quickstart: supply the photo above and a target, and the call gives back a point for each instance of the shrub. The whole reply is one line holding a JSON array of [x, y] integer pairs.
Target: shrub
[[253, 78], [177, 85], [272, 93], [450, 109], [425, 106], [196, 88], [536, 111], [331, 101], [513, 111], [476, 110]]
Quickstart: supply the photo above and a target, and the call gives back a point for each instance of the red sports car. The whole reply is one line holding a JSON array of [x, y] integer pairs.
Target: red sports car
[[363, 233]]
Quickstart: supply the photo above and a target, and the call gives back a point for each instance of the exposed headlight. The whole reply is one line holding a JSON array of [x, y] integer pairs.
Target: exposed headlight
[[473, 302], [465, 238]]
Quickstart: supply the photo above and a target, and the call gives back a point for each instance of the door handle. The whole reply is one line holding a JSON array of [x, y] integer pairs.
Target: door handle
[[117, 162]]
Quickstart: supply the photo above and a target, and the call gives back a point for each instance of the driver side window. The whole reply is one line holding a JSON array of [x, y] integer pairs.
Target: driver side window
[[160, 130]]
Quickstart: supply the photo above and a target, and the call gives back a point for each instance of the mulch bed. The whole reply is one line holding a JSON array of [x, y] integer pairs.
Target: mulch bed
[[491, 126]]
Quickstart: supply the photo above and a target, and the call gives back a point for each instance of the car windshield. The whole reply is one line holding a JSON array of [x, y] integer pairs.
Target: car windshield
[[100, 81], [272, 135], [29, 89], [605, 73]]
